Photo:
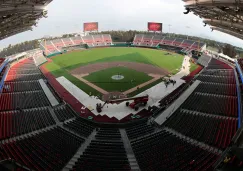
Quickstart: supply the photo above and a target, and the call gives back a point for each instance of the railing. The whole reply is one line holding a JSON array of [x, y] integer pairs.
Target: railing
[[239, 94], [239, 70], [3, 65], [3, 79]]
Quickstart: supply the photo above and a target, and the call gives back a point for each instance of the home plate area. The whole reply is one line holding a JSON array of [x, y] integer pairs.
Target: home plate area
[[120, 110], [113, 96]]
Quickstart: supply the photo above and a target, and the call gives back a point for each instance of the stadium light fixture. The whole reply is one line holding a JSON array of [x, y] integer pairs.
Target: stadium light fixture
[[188, 31], [169, 29]]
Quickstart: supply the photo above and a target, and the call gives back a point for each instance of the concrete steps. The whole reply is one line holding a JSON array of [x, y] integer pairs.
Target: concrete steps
[[79, 152], [130, 155]]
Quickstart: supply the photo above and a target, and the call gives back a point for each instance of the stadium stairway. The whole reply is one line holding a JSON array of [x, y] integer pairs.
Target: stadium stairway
[[79, 152], [193, 141], [53, 114], [105, 152], [130, 155]]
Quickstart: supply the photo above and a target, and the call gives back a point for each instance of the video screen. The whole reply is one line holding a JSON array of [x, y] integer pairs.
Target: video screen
[[91, 26], [154, 26]]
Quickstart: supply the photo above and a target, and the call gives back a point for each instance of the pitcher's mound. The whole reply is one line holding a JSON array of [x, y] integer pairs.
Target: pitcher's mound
[[117, 77]]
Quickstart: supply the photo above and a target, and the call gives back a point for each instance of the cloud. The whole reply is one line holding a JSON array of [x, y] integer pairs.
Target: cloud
[[68, 16]]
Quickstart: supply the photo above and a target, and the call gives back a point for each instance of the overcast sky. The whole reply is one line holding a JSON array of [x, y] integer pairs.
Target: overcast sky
[[68, 16]]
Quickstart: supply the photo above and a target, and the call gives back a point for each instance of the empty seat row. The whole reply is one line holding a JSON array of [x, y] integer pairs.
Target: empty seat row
[[106, 153], [218, 72], [212, 130], [212, 104], [80, 126], [23, 71], [24, 66], [140, 129], [21, 86], [23, 100], [24, 77], [64, 113], [216, 88], [217, 64], [49, 150], [216, 79], [108, 134], [14, 123], [164, 151], [103, 156]]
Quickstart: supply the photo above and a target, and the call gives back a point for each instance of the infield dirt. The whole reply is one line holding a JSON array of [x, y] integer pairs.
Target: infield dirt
[[145, 68]]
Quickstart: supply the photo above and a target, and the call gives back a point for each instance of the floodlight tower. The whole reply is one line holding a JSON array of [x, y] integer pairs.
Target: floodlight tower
[[169, 29], [188, 31]]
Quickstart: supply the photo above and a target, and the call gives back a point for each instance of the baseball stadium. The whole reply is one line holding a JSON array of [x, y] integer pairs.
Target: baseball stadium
[[88, 102]]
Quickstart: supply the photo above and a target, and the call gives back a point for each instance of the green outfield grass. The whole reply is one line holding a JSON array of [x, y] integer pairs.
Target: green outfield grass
[[103, 79], [158, 58], [64, 63]]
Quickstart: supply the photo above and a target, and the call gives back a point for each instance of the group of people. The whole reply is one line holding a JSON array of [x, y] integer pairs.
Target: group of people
[[169, 81]]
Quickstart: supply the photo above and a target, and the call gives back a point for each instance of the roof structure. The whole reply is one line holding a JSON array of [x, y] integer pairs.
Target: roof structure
[[222, 15], [17, 16]]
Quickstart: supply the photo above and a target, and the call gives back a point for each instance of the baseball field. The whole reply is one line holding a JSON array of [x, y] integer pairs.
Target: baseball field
[[128, 70]]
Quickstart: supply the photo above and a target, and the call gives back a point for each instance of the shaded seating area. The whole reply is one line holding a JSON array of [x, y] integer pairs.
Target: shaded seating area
[[80, 126], [212, 130], [138, 130], [164, 151], [21, 89], [23, 100], [213, 72], [21, 86], [216, 79], [24, 77], [212, 104], [216, 88], [64, 112], [106, 153], [217, 64], [14, 123], [14, 71], [49, 150], [108, 134]]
